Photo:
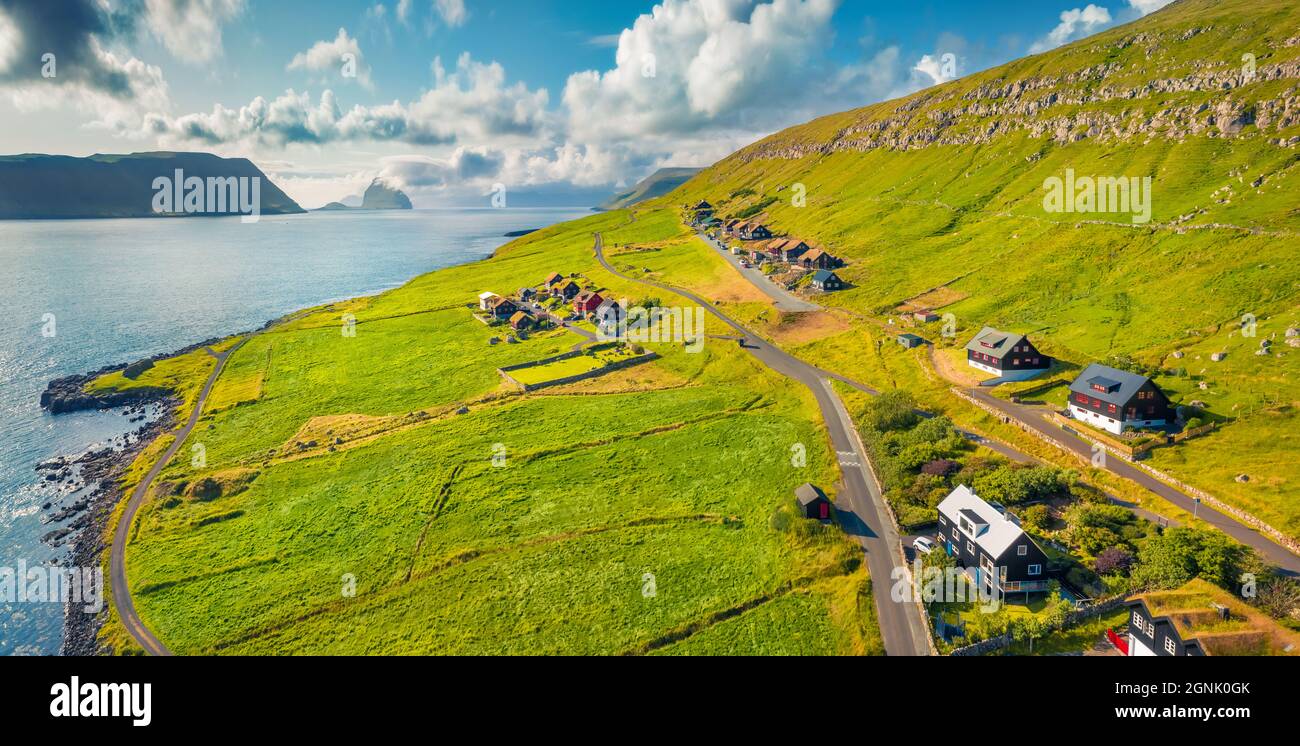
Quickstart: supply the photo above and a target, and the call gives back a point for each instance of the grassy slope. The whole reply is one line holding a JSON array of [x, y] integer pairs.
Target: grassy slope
[[678, 468], [970, 218]]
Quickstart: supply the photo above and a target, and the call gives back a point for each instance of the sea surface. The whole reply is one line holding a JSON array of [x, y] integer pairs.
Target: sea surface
[[76, 295]]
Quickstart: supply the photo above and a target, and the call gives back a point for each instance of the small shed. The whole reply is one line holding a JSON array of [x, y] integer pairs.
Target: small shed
[[813, 502], [925, 317], [910, 341], [527, 293]]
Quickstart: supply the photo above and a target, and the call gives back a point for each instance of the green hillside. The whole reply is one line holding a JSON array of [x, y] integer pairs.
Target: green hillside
[[945, 190]]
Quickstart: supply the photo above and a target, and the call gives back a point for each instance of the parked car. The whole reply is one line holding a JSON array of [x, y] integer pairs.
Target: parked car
[[923, 545]]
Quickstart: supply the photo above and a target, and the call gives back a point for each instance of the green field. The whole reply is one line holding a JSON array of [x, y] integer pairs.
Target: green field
[[649, 510], [553, 371]]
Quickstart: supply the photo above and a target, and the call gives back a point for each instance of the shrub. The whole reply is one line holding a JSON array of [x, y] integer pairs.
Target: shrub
[[1037, 517], [893, 410], [1114, 561], [940, 467]]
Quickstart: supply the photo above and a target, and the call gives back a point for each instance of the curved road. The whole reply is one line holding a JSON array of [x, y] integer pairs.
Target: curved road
[[783, 299], [117, 558], [861, 509]]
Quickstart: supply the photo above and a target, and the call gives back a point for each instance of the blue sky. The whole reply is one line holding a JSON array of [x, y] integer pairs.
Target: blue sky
[[445, 98]]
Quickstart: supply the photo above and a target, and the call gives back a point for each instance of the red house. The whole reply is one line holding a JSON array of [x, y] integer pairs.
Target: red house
[[587, 302]]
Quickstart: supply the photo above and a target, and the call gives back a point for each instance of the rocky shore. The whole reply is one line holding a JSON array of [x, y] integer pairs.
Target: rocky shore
[[84, 515]]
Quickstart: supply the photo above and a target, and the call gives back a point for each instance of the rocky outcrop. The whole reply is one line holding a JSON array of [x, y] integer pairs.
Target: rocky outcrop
[[1069, 108]]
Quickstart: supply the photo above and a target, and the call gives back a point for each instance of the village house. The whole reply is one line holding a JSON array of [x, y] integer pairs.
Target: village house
[[526, 294], [1200, 619], [1012, 357], [485, 300], [609, 314], [729, 227], [502, 308], [587, 301], [819, 259], [1116, 400], [825, 280], [555, 278], [925, 317], [566, 290], [812, 502], [752, 232], [702, 208], [989, 544], [788, 249], [521, 321]]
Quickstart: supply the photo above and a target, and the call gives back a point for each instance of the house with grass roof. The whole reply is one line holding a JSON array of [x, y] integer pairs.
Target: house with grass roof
[[1115, 400], [1202, 619], [1007, 355]]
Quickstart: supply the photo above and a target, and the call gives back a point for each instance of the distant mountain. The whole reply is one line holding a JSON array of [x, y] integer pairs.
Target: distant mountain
[[34, 186], [378, 196], [656, 184]]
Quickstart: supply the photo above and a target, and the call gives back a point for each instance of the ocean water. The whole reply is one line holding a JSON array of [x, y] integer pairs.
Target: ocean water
[[113, 291]]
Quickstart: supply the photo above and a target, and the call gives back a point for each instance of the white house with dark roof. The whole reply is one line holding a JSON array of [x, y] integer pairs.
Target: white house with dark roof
[[989, 544], [1116, 400], [1011, 357]]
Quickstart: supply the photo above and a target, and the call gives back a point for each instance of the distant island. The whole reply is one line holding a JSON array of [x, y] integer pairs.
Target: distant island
[[51, 187], [657, 184], [378, 196]]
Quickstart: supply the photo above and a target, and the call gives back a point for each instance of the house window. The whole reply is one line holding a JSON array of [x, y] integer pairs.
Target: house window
[[1015, 361], [1035, 569], [1112, 409], [1035, 361], [1169, 645], [1022, 551], [1081, 398], [1151, 630], [1137, 619], [970, 548]]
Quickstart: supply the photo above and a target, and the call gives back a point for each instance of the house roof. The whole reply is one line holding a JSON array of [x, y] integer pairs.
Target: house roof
[[815, 254], [998, 533], [1120, 386], [587, 296], [568, 284], [994, 343], [911, 337], [488, 294], [554, 277], [520, 316], [702, 205], [807, 494], [822, 275], [1247, 631]]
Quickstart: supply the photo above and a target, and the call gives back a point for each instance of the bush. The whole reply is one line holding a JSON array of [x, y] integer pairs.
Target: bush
[[1037, 517], [1015, 485], [1114, 561], [894, 410], [940, 467]]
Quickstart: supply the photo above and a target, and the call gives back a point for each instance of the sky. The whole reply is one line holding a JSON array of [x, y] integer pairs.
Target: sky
[[560, 101]]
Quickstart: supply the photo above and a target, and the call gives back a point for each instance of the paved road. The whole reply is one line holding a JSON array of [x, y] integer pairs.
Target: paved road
[[861, 507], [1036, 418], [117, 558], [782, 299]]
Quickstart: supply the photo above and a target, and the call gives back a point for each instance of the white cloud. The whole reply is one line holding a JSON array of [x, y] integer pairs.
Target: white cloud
[[342, 55], [1148, 6], [470, 105], [937, 69], [691, 65], [1075, 24], [404, 11], [452, 12], [191, 29]]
